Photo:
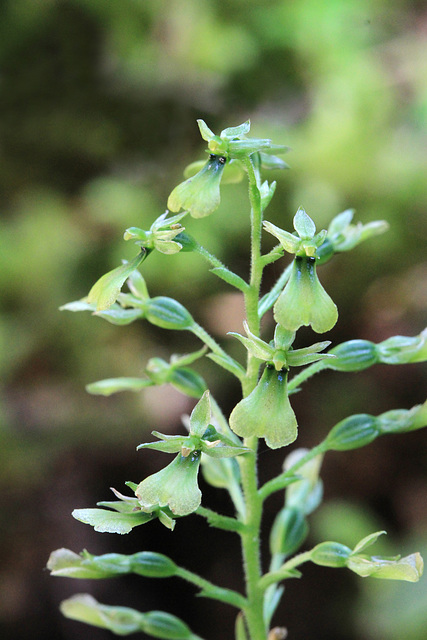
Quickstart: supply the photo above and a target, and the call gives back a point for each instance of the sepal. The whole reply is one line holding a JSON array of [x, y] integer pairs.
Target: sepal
[[305, 241], [105, 291]]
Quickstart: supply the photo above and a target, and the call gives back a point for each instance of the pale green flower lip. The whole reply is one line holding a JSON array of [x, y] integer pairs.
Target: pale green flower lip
[[200, 194], [304, 301], [175, 487], [266, 412]]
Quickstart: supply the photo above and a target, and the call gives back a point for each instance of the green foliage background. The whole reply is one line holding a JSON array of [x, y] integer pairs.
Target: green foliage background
[[98, 108]]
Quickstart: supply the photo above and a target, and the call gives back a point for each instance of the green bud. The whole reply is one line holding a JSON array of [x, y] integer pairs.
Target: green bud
[[330, 554], [167, 313], [200, 194], [353, 432], [152, 565], [353, 355], [201, 415], [306, 493], [304, 301], [266, 412], [289, 531], [266, 192], [187, 381], [164, 625], [65, 563], [182, 378], [175, 487], [345, 236]]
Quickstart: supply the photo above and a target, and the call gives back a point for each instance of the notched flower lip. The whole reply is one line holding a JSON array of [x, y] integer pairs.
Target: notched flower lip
[[304, 301]]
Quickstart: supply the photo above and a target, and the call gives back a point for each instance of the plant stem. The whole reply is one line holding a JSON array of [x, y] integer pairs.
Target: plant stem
[[285, 570], [211, 590], [250, 536], [306, 373]]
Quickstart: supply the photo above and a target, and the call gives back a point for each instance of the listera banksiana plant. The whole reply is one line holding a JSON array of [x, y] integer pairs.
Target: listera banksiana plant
[[226, 449]]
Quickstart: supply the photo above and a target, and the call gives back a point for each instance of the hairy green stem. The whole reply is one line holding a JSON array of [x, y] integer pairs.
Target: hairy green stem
[[306, 373], [211, 590], [250, 536], [219, 521], [207, 255], [285, 571]]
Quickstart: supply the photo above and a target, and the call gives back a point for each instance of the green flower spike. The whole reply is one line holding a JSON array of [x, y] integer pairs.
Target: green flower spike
[[267, 412], [175, 487], [200, 194], [304, 301]]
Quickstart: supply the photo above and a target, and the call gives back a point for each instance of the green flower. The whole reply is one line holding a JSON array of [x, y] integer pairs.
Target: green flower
[[161, 236], [175, 487], [200, 194], [304, 301], [266, 412]]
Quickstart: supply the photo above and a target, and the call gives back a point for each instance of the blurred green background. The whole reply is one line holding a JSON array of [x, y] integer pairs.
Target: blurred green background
[[98, 107]]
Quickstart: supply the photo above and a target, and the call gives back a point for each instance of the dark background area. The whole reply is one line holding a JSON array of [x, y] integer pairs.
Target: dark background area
[[98, 110]]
